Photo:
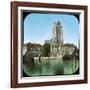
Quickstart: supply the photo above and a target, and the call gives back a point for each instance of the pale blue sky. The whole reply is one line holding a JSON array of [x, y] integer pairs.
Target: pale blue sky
[[39, 27]]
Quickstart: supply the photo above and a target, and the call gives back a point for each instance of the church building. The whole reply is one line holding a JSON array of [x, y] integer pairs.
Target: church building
[[57, 46]]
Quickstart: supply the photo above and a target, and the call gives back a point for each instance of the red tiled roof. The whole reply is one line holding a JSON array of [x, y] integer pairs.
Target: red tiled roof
[[68, 45], [31, 45], [36, 45]]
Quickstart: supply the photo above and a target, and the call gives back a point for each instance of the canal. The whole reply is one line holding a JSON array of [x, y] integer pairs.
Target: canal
[[51, 67]]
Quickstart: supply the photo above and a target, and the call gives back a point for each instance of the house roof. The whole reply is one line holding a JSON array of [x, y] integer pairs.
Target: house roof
[[68, 45], [33, 45]]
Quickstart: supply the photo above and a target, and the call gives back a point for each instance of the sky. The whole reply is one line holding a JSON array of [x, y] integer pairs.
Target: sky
[[39, 27]]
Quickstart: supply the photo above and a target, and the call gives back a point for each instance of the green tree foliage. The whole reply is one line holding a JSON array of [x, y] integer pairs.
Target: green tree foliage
[[46, 49]]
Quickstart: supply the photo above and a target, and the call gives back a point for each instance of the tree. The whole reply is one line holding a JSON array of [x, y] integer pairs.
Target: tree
[[46, 49], [76, 53]]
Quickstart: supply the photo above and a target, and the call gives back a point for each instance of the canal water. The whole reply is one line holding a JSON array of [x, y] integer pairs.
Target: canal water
[[52, 67]]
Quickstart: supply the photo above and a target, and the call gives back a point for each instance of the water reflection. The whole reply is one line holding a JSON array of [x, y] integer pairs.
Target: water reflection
[[52, 67]]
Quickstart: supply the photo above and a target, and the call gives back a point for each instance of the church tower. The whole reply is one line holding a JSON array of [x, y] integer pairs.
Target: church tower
[[57, 33], [57, 39]]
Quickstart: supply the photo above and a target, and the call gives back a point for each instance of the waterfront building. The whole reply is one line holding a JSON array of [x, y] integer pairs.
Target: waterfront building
[[57, 46], [33, 49]]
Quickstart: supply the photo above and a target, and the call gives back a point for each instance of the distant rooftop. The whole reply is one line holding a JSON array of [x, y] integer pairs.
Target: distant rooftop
[[33, 45], [68, 45]]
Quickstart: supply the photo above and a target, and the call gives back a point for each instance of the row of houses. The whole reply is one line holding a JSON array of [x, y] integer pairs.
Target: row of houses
[[33, 49], [65, 49]]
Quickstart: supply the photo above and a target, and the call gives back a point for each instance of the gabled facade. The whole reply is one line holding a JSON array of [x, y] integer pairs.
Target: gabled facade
[[33, 49]]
